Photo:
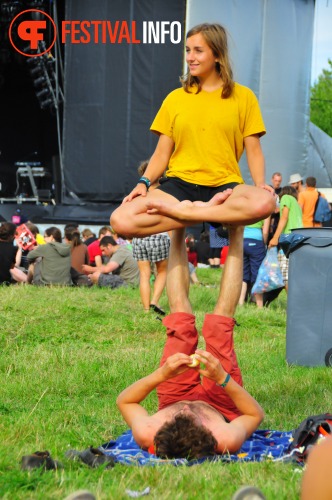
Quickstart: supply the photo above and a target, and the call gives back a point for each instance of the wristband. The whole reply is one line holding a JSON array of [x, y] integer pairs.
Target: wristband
[[146, 181], [225, 382]]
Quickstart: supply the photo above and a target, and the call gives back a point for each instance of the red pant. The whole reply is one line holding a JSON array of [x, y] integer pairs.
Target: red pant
[[182, 337]]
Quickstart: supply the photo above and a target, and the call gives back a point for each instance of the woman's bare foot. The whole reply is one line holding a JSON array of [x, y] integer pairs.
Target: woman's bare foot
[[182, 209], [174, 210], [217, 199]]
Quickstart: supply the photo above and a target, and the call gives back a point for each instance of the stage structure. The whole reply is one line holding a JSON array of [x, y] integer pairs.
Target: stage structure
[[113, 91]]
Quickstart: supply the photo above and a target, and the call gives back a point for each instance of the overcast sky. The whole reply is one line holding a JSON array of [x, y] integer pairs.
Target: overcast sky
[[322, 44]]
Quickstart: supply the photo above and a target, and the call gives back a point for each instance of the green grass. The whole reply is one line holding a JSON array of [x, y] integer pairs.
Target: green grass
[[67, 353]]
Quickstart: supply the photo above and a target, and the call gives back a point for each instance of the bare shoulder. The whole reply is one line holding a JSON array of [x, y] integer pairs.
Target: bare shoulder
[[228, 436], [144, 429], [232, 435]]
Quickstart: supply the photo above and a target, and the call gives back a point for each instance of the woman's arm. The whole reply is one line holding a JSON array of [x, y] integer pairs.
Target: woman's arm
[[18, 257], [256, 162], [36, 252], [281, 226], [157, 166], [266, 228], [255, 158]]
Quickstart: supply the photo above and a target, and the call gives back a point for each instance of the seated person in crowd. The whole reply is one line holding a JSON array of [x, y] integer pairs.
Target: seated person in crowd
[[120, 240], [94, 250], [79, 256], [203, 410], [88, 236], [203, 248], [39, 241], [191, 249], [7, 252], [120, 270], [50, 263], [218, 238]]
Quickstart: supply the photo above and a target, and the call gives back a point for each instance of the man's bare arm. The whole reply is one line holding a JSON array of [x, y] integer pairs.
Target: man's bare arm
[[242, 427], [252, 413], [129, 400], [110, 267]]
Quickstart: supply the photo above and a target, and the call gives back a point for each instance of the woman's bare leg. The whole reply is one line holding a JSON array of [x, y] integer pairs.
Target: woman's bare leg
[[144, 283], [243, 293], [246, 205], [131, 219], [160, 281]]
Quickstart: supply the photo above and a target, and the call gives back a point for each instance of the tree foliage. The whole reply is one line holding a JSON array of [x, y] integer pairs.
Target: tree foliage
[[321, 101]]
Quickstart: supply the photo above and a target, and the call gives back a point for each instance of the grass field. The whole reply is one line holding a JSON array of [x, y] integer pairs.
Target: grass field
[[66, 353]]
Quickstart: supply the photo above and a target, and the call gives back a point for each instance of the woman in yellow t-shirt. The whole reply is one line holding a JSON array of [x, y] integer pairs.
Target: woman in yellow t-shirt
[[203, 130]]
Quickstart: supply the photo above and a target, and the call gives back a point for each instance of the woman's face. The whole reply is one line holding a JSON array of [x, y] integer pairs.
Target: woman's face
[[199, 57], [48, 239]]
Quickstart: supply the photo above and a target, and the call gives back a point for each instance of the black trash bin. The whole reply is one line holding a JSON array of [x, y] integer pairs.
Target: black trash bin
[[309, 304]]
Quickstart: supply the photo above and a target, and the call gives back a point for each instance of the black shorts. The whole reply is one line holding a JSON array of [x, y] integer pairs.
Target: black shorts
[[182, 190]]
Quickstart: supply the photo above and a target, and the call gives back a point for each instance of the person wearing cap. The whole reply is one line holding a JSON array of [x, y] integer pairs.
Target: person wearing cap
[[296, 181]]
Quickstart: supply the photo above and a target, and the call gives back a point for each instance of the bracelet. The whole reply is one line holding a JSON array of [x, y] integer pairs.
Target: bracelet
[[225, 382], [146, 181]]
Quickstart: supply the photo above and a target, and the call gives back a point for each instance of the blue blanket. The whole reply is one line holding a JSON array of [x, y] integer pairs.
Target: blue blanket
[[262, 445]]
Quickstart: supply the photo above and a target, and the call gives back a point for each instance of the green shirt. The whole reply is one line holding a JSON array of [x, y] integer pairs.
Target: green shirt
[[128, 269], [294, 214]]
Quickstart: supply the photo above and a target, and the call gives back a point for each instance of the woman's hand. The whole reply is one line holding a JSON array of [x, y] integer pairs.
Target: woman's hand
[[213, 368], [267, 188], [273, 242], [139, 190]]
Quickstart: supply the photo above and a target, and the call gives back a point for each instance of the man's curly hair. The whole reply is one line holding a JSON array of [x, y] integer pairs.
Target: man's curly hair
[[183, 438]]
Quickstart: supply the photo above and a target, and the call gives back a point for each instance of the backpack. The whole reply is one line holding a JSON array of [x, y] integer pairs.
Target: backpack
[[322, 211], [308, 433]]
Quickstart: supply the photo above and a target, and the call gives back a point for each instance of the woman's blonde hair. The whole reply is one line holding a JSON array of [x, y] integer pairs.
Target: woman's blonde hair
[[216, 38]]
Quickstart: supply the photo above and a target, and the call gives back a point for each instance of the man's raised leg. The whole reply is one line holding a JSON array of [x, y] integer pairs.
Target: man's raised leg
[[231, 283], [180, 324], [218, 327]]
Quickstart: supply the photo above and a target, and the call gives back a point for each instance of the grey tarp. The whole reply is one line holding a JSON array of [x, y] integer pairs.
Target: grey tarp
[[320, 156], [271, 47]]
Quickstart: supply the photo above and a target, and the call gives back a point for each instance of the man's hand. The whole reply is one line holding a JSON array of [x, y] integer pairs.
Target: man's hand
[[139, 190], [213, 368], [175, 365], [88, 269]]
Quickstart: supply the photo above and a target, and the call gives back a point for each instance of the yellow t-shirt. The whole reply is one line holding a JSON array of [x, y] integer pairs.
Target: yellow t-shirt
[[208, 133], [40, 239]]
